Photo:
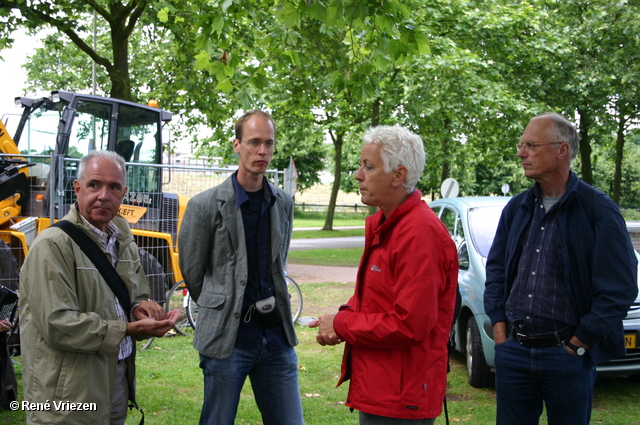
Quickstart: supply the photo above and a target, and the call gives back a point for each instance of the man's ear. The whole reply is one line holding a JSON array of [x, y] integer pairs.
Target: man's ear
[[564, 150], [236, 145]]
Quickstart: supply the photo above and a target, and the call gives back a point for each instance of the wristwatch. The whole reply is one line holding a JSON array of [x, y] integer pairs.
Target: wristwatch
[[578, 350]]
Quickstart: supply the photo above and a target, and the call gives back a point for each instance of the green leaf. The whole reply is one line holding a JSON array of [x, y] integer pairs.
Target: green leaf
[[202, 60], [225, 86], [290, 15], [225, 5], [218, 24], [163, 15]]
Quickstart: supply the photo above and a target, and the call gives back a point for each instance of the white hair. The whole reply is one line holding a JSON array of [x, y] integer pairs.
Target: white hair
[[399, 147], [111, 156]]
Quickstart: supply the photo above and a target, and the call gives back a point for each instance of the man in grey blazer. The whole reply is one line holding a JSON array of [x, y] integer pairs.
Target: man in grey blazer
[[233, 246]]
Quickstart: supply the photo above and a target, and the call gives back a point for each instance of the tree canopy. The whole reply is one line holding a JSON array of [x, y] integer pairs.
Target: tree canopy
[[465, 75]]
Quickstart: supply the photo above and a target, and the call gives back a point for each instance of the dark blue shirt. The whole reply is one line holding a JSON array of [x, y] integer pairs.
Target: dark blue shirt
[[255, 207], [539, 301]]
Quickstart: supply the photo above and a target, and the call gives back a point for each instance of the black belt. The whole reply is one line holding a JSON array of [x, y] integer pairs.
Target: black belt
[[542, 339]]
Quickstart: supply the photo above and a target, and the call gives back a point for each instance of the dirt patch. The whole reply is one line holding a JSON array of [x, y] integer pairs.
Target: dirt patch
[[317, 274]]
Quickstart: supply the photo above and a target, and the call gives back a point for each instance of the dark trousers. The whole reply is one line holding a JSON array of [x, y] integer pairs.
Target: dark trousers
[[528, 377], [8, 381]]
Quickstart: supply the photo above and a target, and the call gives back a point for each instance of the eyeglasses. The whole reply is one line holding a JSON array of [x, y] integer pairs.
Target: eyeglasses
[[528, 146], [255, 144]]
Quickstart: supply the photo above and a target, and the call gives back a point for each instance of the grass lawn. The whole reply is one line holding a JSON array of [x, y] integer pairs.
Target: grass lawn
[[170, 382], [342, 257]]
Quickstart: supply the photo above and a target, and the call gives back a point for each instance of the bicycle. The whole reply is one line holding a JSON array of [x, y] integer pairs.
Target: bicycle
[[295, 297], [178, 298]]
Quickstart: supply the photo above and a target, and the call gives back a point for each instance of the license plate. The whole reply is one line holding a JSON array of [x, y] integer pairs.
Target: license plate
[[630, 341]]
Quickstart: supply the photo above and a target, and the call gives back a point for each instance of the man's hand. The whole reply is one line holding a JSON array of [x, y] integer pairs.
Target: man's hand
[[575, 341], [148, 327], [326, 334], [5, 325], [149, 310], [500, 332]]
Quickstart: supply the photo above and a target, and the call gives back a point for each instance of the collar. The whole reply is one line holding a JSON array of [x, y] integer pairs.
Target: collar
[[112, 231], [572, 188], [380, 225], [241, 194]]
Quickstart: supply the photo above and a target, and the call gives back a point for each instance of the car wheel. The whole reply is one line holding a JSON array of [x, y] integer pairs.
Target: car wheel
[[478, 371]]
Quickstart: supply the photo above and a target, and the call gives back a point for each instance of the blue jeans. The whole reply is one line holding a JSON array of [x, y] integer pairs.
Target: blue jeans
[[274, 379], [528, 377]]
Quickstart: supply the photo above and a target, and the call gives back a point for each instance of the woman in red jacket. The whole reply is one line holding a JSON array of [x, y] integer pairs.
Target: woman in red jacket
[[396, 325]]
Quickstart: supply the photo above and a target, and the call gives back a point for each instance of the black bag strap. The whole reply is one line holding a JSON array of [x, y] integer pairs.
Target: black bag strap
[[100, 260]]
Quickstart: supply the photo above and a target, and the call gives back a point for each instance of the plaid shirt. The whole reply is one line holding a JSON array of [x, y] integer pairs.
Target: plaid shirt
[[110, 241], [539, 302]]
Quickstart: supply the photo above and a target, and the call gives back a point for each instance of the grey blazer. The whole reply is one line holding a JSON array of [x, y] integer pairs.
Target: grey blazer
[[213, 260]]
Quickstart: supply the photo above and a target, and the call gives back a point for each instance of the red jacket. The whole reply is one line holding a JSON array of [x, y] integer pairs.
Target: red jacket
[[396, 325]]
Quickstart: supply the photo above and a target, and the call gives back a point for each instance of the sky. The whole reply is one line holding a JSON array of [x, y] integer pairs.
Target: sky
[[13, 76]]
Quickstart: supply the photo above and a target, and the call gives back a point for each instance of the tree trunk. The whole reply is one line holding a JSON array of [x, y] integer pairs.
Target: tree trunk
[[585, 147], [338, 140], [617, 176], [119, 75]]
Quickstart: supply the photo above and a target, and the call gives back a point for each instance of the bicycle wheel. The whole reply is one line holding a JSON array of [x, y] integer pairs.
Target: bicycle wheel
[[178, 299], [147, 343], [295, 297], [192, 311]]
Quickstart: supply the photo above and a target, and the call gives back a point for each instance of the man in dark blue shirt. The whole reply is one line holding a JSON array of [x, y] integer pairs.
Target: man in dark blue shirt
[[561, 275], [234, 241]]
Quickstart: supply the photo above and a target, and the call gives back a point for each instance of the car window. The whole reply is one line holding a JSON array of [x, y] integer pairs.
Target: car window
[[448, 217], [463, 257], [483, 222]]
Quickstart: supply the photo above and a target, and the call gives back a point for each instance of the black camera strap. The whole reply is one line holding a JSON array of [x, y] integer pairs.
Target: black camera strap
[[100, 260]]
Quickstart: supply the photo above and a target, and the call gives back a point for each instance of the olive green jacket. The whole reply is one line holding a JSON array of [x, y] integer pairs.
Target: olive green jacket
[[70, 332]]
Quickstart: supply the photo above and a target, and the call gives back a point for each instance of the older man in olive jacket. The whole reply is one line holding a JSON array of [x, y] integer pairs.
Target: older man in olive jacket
[[78, 357]]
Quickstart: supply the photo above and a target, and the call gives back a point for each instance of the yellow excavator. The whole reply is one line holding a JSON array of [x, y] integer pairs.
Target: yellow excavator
[[39, 163]]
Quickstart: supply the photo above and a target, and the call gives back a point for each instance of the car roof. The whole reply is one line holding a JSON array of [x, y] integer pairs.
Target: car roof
[[473, 201]]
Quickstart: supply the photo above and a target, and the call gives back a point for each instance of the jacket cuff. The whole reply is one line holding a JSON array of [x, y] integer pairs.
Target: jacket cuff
[[116, 331], [583, 335]]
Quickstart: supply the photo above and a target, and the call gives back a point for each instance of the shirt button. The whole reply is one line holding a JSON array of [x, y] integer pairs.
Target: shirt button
[[542, 228], [236, 315], [529, 295], [533, 273], [537, 250]]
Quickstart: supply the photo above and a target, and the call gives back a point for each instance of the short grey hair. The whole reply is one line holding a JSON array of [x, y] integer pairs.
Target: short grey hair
[[110, 155], [399, 147], [562, 131]]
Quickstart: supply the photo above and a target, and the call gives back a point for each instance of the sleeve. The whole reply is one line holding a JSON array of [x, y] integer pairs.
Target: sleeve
[[195, 244], [614, 275], [496, 273], [48, 282], [423, 291]]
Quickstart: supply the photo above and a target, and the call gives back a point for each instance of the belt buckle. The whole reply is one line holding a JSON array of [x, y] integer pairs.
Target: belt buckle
[[521, 337]]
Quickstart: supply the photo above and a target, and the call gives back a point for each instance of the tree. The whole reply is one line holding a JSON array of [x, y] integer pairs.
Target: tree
[[70, 18]]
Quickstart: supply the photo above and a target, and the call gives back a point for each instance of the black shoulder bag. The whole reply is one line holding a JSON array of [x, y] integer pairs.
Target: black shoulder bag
[[100, 260]]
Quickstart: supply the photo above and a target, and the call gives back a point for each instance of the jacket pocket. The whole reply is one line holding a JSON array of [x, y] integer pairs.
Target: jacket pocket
[[209, 300]]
